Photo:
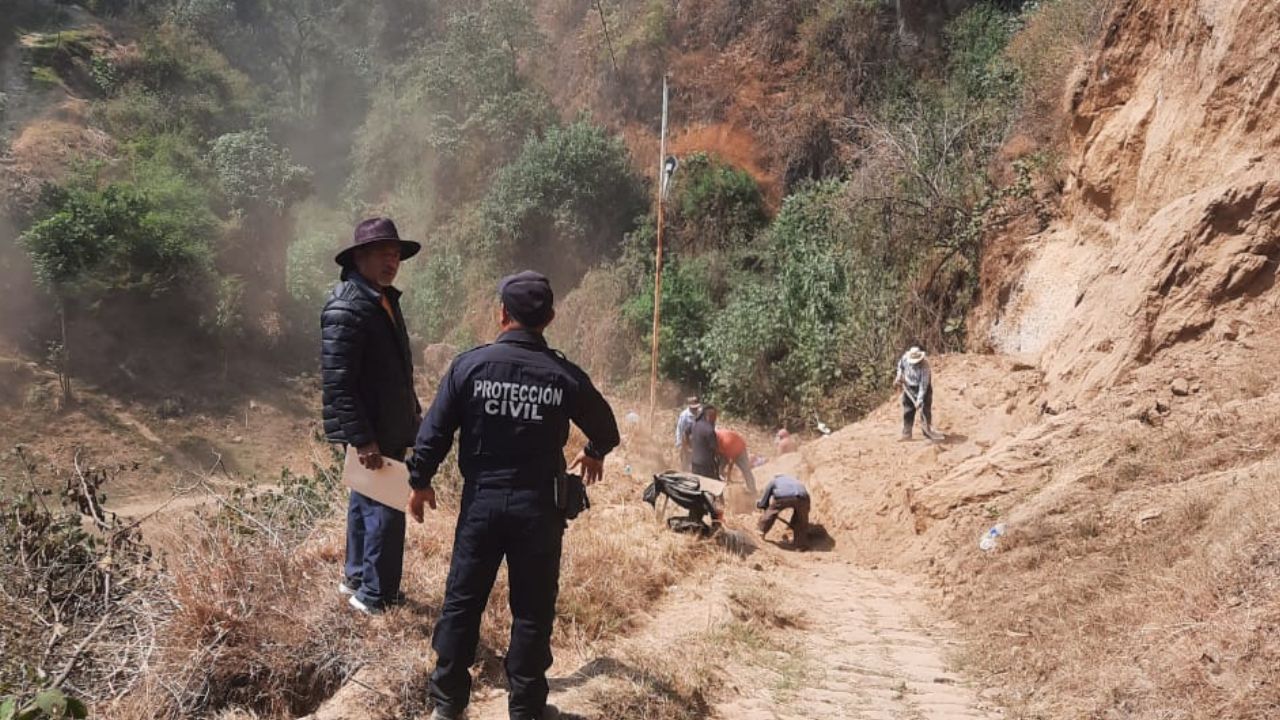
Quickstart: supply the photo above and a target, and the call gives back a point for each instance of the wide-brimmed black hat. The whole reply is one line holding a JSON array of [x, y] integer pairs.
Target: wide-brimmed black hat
[[376, 230]]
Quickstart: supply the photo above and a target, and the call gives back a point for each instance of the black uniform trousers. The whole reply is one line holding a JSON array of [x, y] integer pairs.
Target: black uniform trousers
[[523, 525]]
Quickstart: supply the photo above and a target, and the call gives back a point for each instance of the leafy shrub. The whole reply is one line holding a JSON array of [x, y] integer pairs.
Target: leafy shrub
[[845, 40], [309, 267], [226, 319], [91, 242], [716, 205], [774, 350], [570, 195], [976, 42], [47, 704], [291, 508], [105, 75], [254, 172], [183, 86], [173, 181], [435, 294], [648, 28], [688, 309]]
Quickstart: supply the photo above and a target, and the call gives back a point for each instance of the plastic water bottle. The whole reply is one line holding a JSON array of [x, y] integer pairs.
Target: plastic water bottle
[[991, 538]]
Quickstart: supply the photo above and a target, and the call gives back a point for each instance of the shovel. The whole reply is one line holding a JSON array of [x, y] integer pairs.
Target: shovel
[[929, 432]]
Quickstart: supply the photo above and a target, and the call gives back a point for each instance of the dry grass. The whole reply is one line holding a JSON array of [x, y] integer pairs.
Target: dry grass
[[677, 678], [1176, 452], [1253, 383], [1048, 53], [672, 683], [1090, 610], [257, 626], [590, 328], [760, 604]]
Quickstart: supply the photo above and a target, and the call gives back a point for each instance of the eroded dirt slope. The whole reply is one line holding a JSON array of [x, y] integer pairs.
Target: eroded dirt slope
[[1123, 431], [1173, 195]]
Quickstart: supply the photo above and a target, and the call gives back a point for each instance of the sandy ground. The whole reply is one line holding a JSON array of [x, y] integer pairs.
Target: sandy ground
[[859, 643], [869, 647]]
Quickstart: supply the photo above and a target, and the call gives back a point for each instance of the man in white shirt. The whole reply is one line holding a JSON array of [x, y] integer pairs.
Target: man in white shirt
[[915, 379], [684, 426]]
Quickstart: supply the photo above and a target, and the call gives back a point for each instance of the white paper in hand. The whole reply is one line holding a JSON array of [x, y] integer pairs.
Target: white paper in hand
[[388, 484]]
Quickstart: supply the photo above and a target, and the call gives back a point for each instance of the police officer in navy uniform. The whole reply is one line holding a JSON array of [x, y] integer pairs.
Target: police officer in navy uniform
[[513, 401]]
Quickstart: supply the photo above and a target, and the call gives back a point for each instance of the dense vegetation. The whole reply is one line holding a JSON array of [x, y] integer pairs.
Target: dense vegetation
[[808, 311], [220, 151], [248, 135]]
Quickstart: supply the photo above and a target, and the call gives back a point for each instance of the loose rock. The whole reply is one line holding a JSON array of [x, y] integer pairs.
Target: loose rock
[[1147, 516]]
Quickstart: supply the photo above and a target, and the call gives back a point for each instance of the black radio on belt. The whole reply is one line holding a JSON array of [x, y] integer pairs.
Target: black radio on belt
[[571, 495]]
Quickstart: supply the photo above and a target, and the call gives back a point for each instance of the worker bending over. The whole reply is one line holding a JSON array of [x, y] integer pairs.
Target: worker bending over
[[782, 493]]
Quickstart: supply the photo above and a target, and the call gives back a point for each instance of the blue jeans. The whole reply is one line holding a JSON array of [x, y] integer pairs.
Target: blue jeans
[[522, 525], [375, 550], [743, 461]]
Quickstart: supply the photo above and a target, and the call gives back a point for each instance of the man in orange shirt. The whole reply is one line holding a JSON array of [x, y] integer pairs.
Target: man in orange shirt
[[732, 449]]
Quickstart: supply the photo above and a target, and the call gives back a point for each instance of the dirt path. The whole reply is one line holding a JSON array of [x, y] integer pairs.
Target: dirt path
[[800, 637], [867, 647]]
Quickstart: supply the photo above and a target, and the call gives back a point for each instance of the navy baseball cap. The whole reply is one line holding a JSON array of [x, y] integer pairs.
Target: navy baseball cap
[[527, 296]]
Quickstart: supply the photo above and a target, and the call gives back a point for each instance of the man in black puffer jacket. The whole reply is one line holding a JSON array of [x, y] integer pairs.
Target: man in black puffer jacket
[[369, 400]]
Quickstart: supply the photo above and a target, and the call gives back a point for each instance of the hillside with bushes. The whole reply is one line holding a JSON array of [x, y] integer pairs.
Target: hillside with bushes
[[1070, 203], [839, 172]]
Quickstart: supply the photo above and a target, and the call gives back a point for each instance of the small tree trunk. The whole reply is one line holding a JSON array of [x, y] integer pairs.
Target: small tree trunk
[[64, 359]]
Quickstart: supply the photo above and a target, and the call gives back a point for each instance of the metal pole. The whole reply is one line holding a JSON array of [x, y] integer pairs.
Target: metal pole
[[657, 261]]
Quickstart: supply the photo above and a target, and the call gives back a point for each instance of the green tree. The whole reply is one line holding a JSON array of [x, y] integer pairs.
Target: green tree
[[717, 206], [91, 245], [260, 181], [688, 308], [256, 174], [775, 349], [565, 203]]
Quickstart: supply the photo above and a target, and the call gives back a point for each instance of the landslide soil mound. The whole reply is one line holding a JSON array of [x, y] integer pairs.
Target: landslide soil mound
[[1122, 435]]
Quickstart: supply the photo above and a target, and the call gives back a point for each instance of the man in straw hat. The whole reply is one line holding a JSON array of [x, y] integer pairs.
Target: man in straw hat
[[369, 400], [914, 377]]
